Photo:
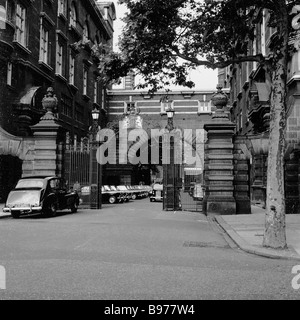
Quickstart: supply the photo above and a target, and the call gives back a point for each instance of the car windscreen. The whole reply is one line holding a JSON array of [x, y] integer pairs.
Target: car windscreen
[[30, 183], [25, 197]]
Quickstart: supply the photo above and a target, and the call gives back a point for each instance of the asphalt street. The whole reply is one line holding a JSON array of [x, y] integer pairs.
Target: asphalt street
[[134, 251]]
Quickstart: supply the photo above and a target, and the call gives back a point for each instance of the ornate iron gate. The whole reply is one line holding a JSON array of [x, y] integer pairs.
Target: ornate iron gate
[[183, 185], [191, 193], [76, 168]]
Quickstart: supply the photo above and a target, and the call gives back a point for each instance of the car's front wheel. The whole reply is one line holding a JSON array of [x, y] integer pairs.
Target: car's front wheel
[[51, 210], [112, 199], [74, 207]]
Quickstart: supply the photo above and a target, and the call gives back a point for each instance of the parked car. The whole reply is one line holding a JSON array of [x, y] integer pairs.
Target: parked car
[[111, 194], [135, 192], [144, 191], [196, 191], [40, 194], [127, 192], [157, 192], [141, 191]]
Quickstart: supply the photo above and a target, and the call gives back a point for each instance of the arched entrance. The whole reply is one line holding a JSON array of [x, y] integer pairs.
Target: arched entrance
[[10, 173]]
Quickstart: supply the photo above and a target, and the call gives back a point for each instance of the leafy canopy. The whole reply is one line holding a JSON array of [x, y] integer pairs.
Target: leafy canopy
[[163, 39]]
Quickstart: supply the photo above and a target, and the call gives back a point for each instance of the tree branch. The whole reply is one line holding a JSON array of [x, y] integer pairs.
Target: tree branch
[[221, 64]]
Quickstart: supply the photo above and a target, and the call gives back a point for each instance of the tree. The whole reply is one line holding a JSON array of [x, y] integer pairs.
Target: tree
[[164, 39]]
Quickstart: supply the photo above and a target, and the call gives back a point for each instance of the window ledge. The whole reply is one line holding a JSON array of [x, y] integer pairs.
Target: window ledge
[[86, 97], [10, 87], [62, 17], [45, 65], [75, 31], [73, 87], [19, 45], [97, 105], [59, 76]]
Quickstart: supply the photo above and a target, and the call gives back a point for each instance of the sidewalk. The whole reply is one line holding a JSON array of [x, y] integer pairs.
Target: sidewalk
[[247, 232]]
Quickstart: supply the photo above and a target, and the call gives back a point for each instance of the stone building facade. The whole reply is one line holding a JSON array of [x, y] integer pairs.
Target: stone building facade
[[49, 44], [249, 86]]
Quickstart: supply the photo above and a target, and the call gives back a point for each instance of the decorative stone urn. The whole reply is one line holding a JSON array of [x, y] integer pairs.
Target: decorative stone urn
[[49, 103], [220, 100]]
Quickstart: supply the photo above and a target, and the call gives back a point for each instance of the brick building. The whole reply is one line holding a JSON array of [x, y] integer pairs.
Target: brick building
[[50, 44], [192, 108], [249, 85]]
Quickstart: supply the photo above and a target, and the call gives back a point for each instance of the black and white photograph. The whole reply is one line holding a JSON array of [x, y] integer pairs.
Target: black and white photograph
[[149, 153]]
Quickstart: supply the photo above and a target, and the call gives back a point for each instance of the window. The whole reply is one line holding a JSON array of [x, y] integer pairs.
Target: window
[[44, 45], [61, 50], [59, 59], [66, 105], [85, 35], [95, 91], [3, 17], [79, 113], [73, 16], [20, 35], [71, 69], [263, 34], [10, 11], [85, 81], [62, 7], [240, 120], [9, 73]]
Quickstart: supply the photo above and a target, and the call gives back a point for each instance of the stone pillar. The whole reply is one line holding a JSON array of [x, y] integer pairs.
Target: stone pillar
[[219, 165], [47, 135]]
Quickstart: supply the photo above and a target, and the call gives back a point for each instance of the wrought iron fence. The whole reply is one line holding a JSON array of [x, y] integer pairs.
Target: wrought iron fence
[[77, 168]]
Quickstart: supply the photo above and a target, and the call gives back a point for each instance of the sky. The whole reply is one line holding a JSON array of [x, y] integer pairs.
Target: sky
[[204, 79]]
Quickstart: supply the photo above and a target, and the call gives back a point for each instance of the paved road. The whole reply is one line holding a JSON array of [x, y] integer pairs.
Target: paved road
[[133, 251]]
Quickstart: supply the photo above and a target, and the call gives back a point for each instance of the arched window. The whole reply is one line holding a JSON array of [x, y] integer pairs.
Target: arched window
[[73, 15]]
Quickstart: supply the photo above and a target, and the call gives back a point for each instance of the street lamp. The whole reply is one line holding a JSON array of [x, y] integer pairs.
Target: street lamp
[[95, 114], [170, 168], [95, 127], [168, 107], [95, 167]]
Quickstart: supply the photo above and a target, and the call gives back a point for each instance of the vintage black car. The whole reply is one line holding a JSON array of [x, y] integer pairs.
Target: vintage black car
[[39, 194]]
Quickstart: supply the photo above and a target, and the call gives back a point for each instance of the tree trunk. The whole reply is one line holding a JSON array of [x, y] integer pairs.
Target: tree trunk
[[275, 233]]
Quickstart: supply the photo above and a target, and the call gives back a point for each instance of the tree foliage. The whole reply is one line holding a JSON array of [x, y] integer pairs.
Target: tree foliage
[[164, 39]]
